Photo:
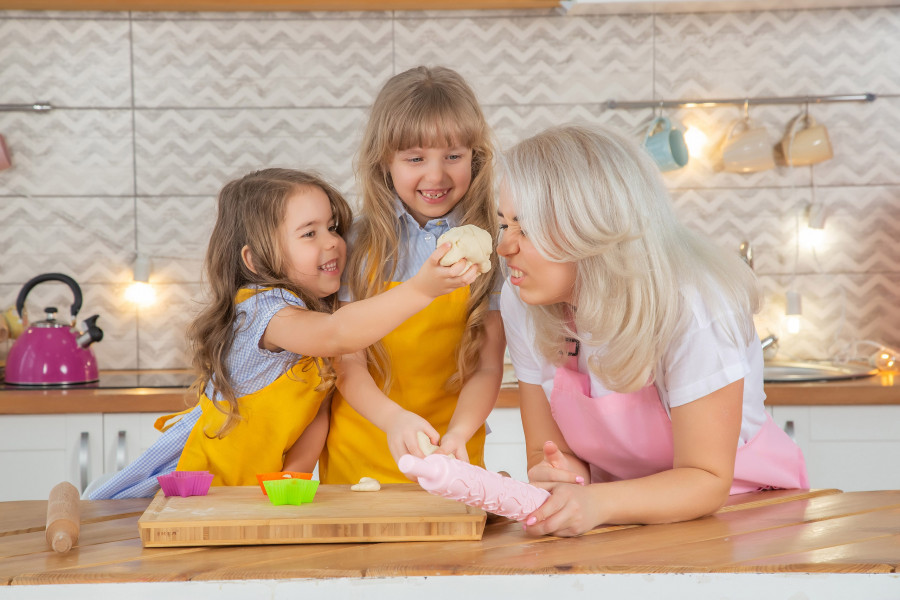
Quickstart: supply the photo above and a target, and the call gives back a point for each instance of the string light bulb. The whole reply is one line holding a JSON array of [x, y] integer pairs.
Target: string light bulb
[[695, 140], [886, 360], [140, 292], [793, 311], [814, 233]]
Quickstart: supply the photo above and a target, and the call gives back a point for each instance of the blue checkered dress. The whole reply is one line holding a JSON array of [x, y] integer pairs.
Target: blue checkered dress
[[252, 368]]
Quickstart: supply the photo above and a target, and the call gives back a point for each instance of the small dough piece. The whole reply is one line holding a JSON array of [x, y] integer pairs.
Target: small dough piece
[[366, 484], [425, 444], [470, 242]]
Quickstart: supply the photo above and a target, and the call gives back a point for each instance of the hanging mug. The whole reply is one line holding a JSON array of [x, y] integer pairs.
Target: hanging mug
[[747, 149], [806, 146], [666, 145]]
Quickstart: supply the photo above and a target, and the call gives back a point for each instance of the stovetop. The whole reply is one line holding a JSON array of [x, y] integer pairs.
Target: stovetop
[[169, 378]]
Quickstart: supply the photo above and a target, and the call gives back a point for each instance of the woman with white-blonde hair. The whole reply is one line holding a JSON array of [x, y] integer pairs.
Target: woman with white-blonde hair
[[640, 371]]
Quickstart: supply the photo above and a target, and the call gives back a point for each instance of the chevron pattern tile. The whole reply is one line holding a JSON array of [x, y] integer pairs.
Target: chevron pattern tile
[[195, 152], [837, 311], [766, 217], [253, 63], [861, 231], [777, 53], [118, 320], [68, 153], [66, 62], [162, 343], [866, 151], [91, 239], [521, 60], [173, 233], [512, 124]]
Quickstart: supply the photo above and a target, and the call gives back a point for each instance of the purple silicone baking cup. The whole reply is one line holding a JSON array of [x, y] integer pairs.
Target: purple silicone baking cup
[[185, 483]]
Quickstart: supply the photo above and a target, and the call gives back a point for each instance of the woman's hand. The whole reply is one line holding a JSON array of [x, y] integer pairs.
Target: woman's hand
[[571, 509], [433, 280], [556, 467], [401, 434], [453, 444]]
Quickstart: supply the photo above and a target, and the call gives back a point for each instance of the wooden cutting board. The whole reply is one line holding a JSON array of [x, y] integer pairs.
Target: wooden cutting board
[[229, 516]]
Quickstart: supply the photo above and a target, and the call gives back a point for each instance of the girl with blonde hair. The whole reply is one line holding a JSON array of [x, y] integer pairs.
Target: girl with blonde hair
[[640, 371], [262, 344], [424, 166]]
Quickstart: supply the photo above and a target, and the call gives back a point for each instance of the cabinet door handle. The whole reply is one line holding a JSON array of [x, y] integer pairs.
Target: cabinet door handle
[[120, 451], [789, 428], [84, 451]]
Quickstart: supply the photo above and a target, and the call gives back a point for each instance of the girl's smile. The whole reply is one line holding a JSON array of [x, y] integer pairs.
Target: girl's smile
[[431, 181], [330, 267], [315, 252]]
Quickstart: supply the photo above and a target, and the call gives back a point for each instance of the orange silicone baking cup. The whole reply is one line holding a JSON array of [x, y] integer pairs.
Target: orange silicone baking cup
[[261, 477]]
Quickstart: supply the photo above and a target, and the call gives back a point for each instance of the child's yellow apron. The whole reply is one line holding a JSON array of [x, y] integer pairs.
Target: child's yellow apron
[[423, 356], [272, 420]]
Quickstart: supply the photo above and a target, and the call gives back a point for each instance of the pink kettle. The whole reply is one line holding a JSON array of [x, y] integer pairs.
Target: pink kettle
[[53, 352]]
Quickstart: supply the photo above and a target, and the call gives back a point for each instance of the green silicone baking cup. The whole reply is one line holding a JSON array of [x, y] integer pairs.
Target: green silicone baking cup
[[291, 491]]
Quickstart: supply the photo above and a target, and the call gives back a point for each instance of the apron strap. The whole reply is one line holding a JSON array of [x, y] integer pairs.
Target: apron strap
[[165, 422]]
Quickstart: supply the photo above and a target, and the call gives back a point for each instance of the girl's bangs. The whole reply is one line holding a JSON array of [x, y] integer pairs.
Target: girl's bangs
[[434, 130]]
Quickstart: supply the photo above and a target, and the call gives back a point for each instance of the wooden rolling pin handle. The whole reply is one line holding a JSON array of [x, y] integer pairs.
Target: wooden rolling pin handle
[[63, 517]]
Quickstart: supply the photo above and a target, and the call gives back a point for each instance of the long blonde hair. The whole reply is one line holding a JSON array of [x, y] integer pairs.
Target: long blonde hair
[[250, 212], [590, 196], [421, 107]]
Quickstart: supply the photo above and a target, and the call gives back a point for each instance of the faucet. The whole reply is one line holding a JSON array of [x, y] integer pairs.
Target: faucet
[[746, 253], [769, 340]]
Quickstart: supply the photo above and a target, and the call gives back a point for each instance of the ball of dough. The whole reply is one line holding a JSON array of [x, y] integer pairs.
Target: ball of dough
[[470, 242], [366, 484], [425, 444]]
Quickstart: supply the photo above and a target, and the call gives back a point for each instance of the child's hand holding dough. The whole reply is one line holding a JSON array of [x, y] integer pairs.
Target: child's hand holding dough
[[470, 242]]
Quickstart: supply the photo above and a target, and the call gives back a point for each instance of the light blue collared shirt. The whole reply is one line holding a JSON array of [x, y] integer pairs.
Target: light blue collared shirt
[[416, 245]]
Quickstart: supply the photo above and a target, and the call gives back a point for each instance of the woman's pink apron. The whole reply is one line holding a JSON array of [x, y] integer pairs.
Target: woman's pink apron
[[625, 436]]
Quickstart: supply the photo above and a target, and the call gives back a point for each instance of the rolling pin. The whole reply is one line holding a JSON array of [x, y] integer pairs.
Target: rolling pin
[[445, 476], [63, 517]]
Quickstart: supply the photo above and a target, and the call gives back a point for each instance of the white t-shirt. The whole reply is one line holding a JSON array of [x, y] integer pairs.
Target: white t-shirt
[[702, 361]]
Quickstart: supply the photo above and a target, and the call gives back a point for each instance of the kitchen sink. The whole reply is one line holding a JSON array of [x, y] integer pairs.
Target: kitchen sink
[[785, 372]]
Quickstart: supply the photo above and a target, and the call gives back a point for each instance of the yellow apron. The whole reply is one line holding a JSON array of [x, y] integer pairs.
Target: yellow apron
[[272, 420], [423, 356]]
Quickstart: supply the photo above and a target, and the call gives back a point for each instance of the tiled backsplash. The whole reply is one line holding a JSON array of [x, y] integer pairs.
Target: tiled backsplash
[[155, 111]]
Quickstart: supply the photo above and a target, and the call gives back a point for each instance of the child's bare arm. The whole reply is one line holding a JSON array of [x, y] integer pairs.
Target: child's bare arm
[[400, 425], [360, 324], [304, 454], [479, 393]]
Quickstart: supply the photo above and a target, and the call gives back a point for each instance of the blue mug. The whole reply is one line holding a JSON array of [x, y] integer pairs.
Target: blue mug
[[666, 145]]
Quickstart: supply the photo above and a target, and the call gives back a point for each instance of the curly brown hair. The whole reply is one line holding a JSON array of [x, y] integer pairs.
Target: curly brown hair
[[250, 211]]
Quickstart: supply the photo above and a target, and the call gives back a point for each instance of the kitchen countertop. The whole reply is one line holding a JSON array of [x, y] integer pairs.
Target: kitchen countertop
[[771, 532], [140, 391]]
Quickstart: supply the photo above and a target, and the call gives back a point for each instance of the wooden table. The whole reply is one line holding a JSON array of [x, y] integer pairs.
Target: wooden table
[[776, 532]]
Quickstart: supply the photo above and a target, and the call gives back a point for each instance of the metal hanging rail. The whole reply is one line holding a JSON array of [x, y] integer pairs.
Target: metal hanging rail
[[37, 107], [867, 97]]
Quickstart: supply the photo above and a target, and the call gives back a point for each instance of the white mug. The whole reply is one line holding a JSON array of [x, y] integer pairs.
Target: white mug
[[806, 146], [747, 149]]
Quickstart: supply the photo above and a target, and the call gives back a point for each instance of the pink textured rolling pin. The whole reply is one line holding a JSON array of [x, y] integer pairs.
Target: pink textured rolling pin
[[444, 476]]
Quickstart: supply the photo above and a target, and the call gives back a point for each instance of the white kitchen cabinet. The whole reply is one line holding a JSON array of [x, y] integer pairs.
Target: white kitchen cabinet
[[125, 437], [39, 451], [504, 449], [851, 448]]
